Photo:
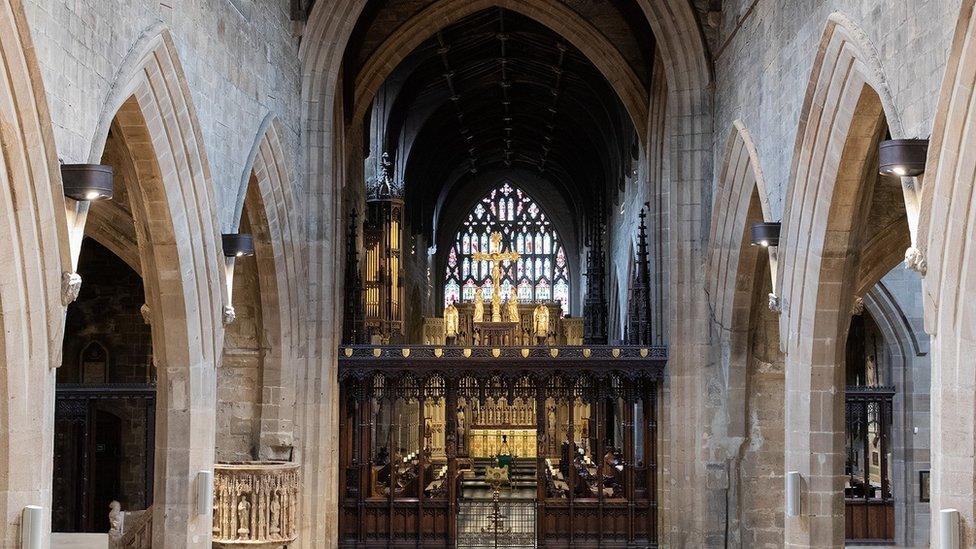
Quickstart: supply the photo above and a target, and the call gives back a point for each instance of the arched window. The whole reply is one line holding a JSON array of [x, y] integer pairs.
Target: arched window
[[541, 274]]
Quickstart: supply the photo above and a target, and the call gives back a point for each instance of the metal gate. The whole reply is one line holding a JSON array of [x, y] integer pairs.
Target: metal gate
[[487, 524]]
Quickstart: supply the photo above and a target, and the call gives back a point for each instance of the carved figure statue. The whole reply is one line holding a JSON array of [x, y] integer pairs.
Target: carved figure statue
[[513, 306], [243, 515], [540, 321], [496, 305], [274, 528], [479, 307], [451, 320], [460, 425], [871, 372], [115, 517], [495, 258]]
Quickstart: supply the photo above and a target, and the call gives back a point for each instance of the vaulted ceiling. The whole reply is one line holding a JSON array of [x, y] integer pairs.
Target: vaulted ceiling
[[497, 91]]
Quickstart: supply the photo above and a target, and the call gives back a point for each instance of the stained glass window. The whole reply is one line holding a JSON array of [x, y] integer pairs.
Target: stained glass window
[[541, 274]]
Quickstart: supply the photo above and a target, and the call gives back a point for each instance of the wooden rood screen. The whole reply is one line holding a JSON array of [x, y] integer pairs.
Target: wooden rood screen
[[408, 473]]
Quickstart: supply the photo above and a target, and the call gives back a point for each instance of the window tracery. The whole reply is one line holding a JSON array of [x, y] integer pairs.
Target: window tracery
[[542, 272]]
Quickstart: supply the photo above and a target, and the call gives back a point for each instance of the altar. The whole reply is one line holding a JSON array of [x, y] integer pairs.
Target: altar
[[488, 442]]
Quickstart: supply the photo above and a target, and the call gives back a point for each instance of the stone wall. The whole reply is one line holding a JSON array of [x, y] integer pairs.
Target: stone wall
[[240, 374], [83, 47], [760, 471], [134, 453], [107, 313], [762, 63], [895, 305], [767, 49]]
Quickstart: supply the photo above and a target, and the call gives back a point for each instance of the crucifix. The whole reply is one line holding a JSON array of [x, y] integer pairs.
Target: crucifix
[[495, 256]]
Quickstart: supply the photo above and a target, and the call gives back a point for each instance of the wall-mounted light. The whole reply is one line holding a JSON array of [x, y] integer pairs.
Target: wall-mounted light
[[949, 528], [204, 492], [765, 234], [902, 157], [792, 494], [237, 245], [32, 527], [87, 181]]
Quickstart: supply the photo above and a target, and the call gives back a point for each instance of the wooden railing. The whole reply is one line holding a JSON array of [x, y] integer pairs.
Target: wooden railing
[[255, 504], [132, 531]]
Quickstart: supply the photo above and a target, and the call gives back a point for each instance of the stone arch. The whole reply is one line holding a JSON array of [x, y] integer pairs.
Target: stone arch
[[556, 16], [907, 353], [741, 187], [688, 124], [266, 196], [180, 255], [840, 124], [113, 227], [34, 252], [740, 201], [946, 227], [737, 273]]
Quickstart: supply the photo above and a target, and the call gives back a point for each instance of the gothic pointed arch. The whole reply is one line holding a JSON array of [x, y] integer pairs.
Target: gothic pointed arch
[[749, 378], [150, 112], [35, 252], [946, 227], [556, 16], [686, 104], [841, 123], [267, 198], [907, 361], [741, 191]]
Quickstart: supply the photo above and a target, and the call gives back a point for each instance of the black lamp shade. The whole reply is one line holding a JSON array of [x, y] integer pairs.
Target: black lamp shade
[[237, 245], [87, 181], [765, 234], [902, 157]]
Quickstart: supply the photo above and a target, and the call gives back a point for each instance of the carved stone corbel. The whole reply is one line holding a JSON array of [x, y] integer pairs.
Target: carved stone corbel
[[774, 304], [857, 308], [229, 314], [70, 286], [146, 313], [915, 260]]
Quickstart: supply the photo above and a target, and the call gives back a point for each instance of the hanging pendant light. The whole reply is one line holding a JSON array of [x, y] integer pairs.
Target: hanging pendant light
[[89, 182], [765, 234], [237, 245], [902, 157]]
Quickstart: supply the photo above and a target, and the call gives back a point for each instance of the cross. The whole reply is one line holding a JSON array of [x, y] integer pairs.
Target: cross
[[495, 256]]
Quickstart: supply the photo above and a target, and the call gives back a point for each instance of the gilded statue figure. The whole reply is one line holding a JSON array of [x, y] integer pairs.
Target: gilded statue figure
[[479, 307], [495, 258], [496, 306], [540, 321], [513, 306], [451, 320]]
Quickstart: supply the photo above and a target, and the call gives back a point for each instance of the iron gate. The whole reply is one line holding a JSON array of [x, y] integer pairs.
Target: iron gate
[[482, 525]]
